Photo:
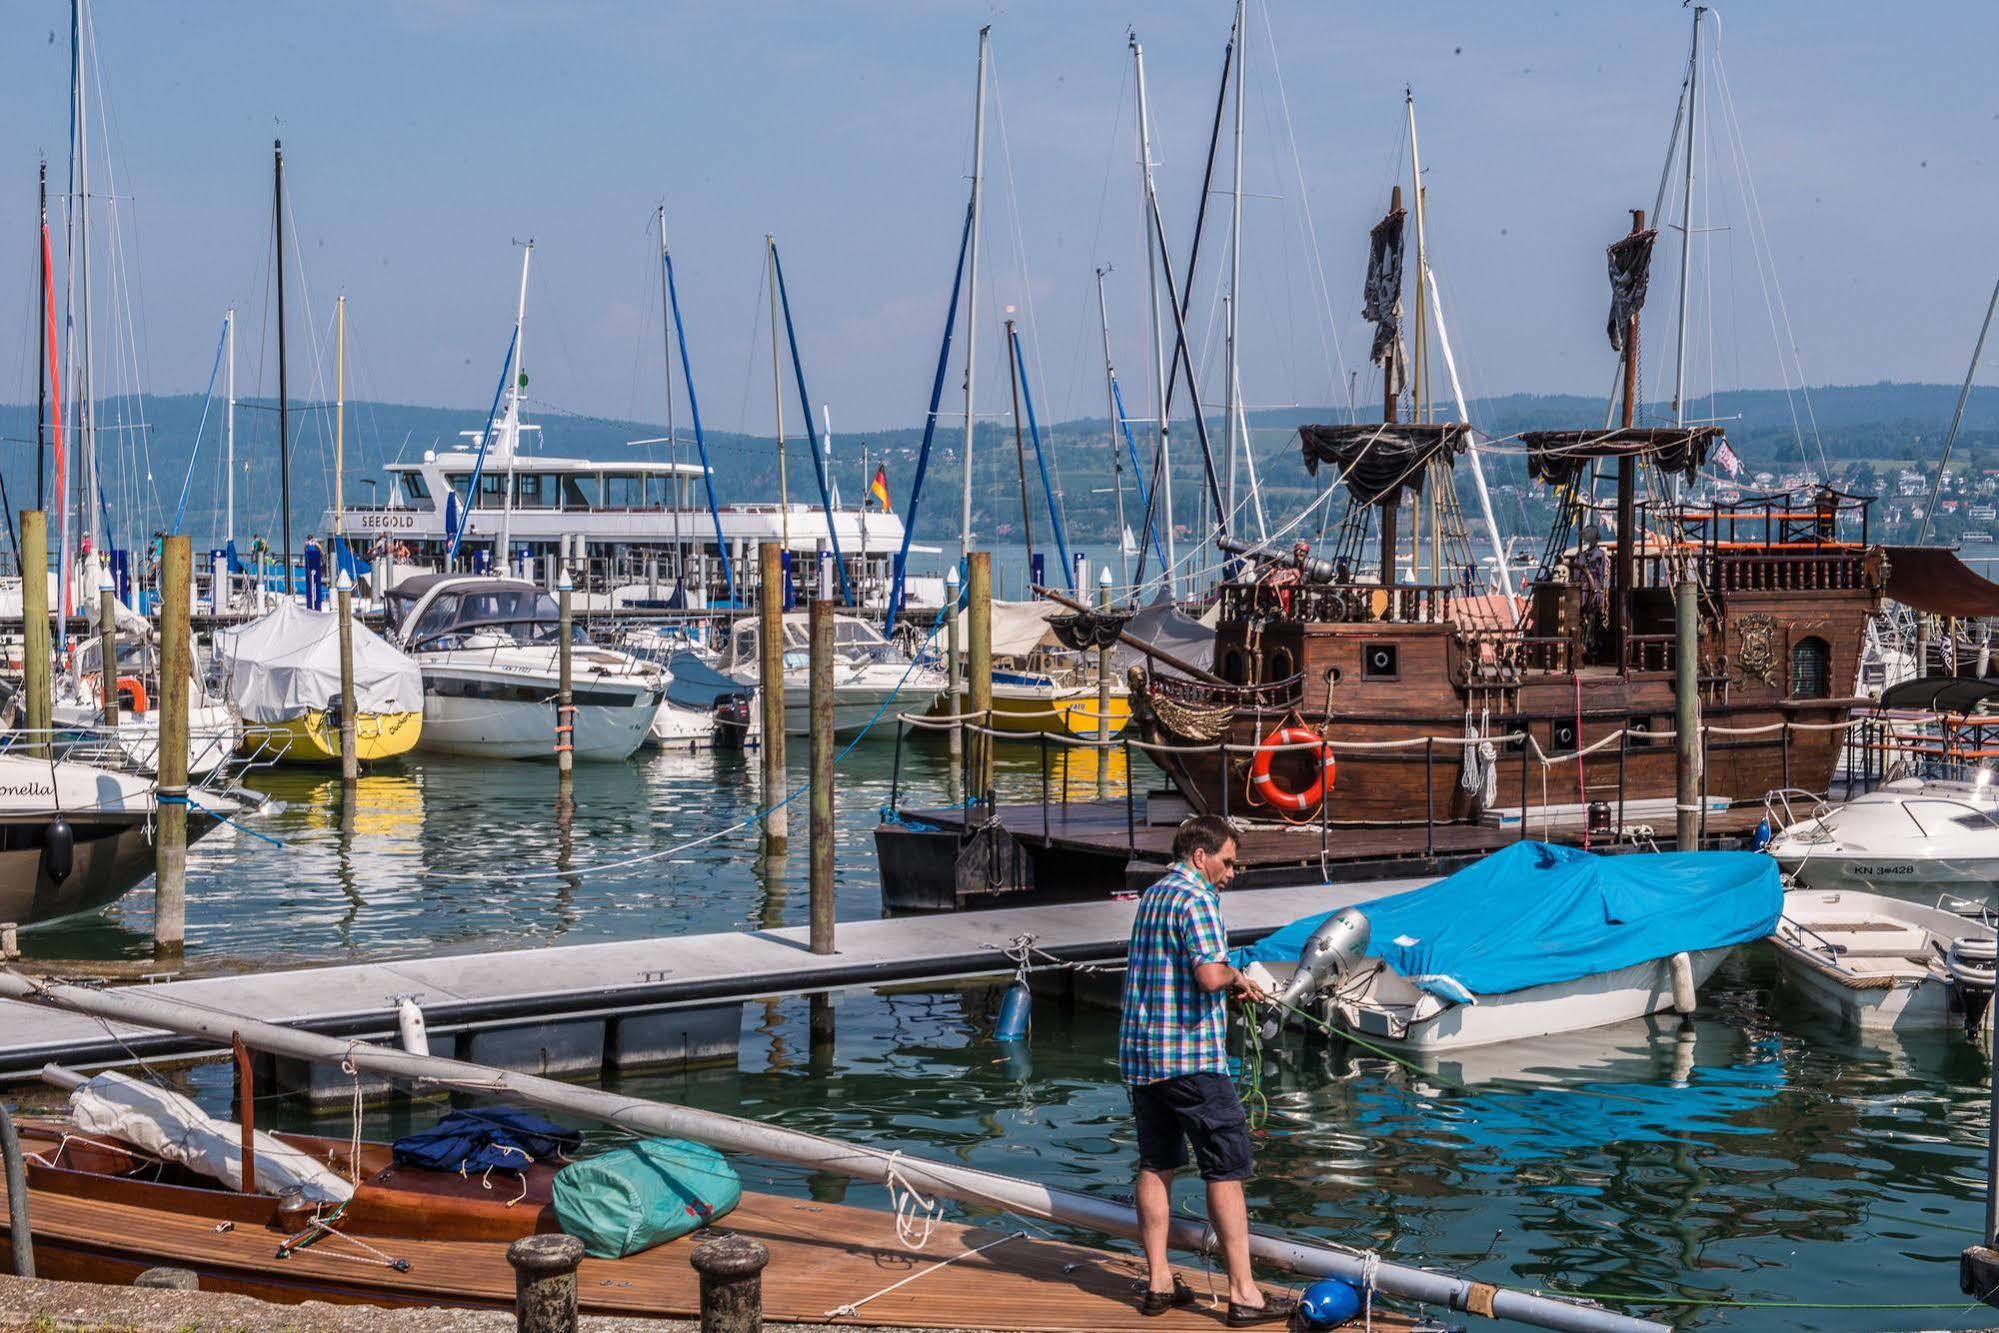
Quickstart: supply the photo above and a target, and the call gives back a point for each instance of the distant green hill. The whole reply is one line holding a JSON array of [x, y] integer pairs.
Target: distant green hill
[[147, 462]]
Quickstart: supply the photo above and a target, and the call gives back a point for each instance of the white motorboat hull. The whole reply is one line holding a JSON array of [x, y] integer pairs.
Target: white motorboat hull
[[1912, 839], [465, 715], [1538, 1011], [675, 727], [1886, 973], [854, 707]]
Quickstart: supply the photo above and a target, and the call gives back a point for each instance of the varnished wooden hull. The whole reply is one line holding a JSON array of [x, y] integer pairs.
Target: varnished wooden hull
[[452, 1234]]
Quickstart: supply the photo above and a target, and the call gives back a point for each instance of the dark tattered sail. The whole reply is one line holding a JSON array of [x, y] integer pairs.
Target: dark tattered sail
[[1630, 270], [1381, 298]]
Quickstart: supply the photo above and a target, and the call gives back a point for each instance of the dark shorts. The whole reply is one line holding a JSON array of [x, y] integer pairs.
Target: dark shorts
[[1199, 1108]]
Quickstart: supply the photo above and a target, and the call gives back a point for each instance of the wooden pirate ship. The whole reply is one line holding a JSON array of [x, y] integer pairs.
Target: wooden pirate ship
[[1428, 675]]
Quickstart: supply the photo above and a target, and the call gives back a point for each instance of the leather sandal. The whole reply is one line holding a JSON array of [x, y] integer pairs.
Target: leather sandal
[[1273, 1309], [1152, 1302]]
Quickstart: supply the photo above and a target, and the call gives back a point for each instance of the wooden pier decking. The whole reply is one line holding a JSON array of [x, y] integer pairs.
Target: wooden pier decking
[[824, 1257]]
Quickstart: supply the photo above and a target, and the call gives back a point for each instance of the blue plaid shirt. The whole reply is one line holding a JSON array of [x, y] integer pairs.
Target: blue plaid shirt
[[1171, 1026]]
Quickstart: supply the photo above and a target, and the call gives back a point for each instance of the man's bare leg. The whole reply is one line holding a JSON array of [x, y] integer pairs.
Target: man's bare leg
[[1155, 1207], [1229, 1216]]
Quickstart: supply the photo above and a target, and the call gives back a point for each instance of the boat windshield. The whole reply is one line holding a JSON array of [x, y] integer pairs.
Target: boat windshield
[[477, 615]]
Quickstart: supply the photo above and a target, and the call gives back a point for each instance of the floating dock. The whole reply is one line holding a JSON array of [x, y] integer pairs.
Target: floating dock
[[590, 1009], [953, 858]]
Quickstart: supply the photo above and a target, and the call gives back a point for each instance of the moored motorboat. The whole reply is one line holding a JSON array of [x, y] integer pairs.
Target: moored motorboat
[[282, 672], [490, 659], [1919, 839], [1882, 962], [868, 672], [1533, 940]]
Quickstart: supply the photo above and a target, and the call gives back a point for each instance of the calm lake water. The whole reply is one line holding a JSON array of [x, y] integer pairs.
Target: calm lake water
[[1756, 1157]]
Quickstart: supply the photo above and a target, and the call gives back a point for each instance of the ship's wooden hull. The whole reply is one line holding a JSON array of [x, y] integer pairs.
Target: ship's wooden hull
[[1395, 699]]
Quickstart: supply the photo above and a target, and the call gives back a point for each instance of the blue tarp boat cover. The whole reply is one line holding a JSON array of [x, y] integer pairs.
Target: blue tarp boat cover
[[1536, 914]]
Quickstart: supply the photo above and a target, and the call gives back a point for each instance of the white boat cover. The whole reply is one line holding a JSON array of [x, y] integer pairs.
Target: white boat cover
[[1018, 627], [287, 664], [162, 1122]]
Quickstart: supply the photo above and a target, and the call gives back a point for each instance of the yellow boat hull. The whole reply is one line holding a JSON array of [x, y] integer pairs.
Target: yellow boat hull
[[315, 737], [1027, 710]]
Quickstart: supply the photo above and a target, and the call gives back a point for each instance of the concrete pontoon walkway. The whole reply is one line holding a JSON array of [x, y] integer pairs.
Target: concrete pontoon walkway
[[580, 980]]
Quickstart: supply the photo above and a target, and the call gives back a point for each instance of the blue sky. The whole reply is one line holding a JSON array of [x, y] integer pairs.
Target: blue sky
[[423, 138]]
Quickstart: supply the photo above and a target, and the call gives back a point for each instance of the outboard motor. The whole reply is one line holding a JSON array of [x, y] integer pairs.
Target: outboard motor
[[1331, 951]]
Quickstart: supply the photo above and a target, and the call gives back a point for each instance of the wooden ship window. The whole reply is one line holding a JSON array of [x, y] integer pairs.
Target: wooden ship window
[[1233, 667], [1811, 668], [1380, 661], [1281, 665], [1562, 737]]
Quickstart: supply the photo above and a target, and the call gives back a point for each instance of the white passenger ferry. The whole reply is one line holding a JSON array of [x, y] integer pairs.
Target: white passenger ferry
[[642, 529]]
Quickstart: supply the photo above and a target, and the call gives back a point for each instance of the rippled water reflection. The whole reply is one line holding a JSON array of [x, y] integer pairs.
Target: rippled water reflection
[[1757, 1155], [456, 855]]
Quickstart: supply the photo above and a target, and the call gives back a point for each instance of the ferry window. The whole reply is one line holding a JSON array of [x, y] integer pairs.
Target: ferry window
[[491, 488], [1811, 668], [536, 491], [579, 491], [1380, 661], [461, 483], [415, 487], [659, 492], [624, 490]]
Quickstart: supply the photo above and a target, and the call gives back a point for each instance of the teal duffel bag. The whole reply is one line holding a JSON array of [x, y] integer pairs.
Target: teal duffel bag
[[634, 1198]]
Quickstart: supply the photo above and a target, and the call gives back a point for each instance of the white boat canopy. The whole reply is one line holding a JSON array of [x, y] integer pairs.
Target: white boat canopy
[[287, 664]]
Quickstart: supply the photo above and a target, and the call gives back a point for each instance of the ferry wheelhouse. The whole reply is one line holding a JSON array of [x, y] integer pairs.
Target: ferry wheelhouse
[[640, 529]]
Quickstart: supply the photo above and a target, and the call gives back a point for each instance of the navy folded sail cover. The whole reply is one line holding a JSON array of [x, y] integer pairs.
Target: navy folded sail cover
[[484, 1139], [1535, 914]]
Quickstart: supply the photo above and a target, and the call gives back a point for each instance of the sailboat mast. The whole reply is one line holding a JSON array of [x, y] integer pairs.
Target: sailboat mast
[[284, 396], [777, 400], [229, 436], [1419, 380], [965, 541], [515, 385], [1687, 218], [339, 417], [1110, 406], [1232, 392], [1163, 443], [672, 438], [87, 513], [1020, 447], [42, 345]]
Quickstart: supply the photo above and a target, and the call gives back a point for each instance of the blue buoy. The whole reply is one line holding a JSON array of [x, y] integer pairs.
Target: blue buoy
[[1329, 1302], [1016, 1013], [1761, 838]]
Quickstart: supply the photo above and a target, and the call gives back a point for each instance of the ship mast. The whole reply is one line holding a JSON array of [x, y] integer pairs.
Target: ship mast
[[1232, 393], [972, 292], [513, 423], [1117, 456], [777, 400], [672, 437], [1163, 453], [1687, 218]]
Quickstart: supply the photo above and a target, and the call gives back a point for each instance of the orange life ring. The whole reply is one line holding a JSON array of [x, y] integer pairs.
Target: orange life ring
[[130, 685], [1265, 786]]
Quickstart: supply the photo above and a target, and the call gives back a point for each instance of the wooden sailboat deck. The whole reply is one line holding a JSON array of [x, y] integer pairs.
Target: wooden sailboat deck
[[825, 1258]]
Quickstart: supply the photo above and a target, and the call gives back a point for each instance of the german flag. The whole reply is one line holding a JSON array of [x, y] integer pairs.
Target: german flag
[[879, 489]]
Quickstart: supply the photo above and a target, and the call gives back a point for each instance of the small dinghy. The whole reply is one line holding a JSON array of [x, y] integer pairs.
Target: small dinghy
[[1532, 941], [1882, 962]]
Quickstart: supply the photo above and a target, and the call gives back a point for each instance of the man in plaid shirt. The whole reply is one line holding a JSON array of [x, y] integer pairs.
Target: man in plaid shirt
[[1173, 1055]]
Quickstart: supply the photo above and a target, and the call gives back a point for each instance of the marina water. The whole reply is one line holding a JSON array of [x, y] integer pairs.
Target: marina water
[[1754, 1159]]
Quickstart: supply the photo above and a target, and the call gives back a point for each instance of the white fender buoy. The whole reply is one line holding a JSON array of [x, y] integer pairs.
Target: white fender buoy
[[1683, 983], [410, 1030]]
